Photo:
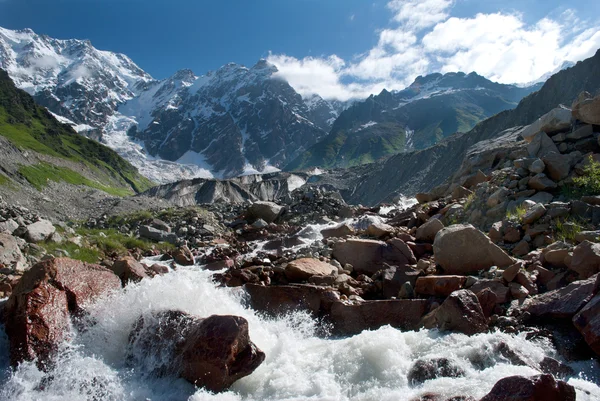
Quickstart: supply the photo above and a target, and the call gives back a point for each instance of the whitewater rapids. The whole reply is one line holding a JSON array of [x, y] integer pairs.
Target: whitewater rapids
[[299, 366]]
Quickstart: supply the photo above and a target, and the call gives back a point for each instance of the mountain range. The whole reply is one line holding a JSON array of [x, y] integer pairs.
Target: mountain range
[[237, 120]]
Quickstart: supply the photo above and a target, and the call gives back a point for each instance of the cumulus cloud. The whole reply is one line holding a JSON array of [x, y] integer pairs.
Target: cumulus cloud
[[425, 38]]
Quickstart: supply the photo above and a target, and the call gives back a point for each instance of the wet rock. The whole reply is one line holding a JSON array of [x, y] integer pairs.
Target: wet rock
[[586, 259], [219, 264], [556, 368], [129, 269], [368, 256], [460, 312], [563, 303], [587, 109], [428, 230], [277, 300], [39, 310], [341, 230], [587, 322], [303, 269], [183, 256], [268, 211], [39, 231], [10, 253], [439, 286], [462, 249], [212, 353], [536, 388], [404, 314], [430, 369]]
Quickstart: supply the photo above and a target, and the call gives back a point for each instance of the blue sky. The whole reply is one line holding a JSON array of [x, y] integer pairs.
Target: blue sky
[[337, 48]]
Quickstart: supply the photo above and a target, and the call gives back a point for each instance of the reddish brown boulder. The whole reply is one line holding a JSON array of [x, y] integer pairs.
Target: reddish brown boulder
[[586, 259], [338, 231], [368, 256], [39, 310], [587, 322], [460, 312], [536, 388], [439, 286], [129, 269], [394, 277], [211, 353], [281, 299], [404, 314], [183, 256], [220, 264], [303, 269], [488, 300], [502, 292]]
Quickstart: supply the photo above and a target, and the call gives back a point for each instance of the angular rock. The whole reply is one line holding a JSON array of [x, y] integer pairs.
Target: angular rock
[[587, 322], [462, 249], [586, 259], [379, 230], [488, 300], [157, 235], [558, 165], [541, 145], [303, 269], [428, 230], [9, 226], [592, 236], [585, 131], [39, 231], [439, 286], [160, 225], [394, 277], [39, 310], [211, 353], [268, 211], [183, 256], [10, 253], [368, 256], [556, 120], [587, 109], [129, 269], [460, 312], [424, 370], [404, 314], [538, 166], [541, 183], [536, 388], [404, 249], [341, 230], [278, 300], [562, 303]]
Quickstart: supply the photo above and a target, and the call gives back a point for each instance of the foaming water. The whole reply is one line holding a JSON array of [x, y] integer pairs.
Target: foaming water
[[373, 365]]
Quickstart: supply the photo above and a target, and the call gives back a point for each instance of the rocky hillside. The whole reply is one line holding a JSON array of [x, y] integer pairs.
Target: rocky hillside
[[40, 155], [430, 109]]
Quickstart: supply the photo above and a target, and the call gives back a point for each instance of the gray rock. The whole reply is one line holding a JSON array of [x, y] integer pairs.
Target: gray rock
[[157, 235], [268, 211], [260, 223], [537, 166], [587, 109], [534, 214], [541, 145], [9, 226], [541, 183], [10, 254], [556, 120], [39, 231], [558, 165], [585, 131]]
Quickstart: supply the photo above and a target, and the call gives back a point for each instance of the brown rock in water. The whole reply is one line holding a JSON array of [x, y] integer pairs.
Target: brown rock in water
[[439, 286], [586, 259], [276, 300], [303, 269], [129, 269], [404, 314], [460, 312], [462, 249], [587, 322], [367, 256], [183, 256], [38, 312], [563, 303], [536, 388], [211, 353]]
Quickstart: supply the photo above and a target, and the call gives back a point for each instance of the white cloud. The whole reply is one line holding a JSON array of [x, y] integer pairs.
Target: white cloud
[[424, 38]]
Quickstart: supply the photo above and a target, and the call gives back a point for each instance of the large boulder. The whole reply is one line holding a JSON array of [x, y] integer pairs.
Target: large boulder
[[439, 286], [428, 230], [541, 145], [212, 353], [38, 312], [183, 256], [394, 277], [563, 303], [587, 109], [368, 256], [460, 312], [341, 230], [536, 388], [157, 235], [10, 254], [39, 231], [556, 120], [275, 300], [404, 314], [303, 269], [268, 211], [128, 269], [462, 249], [379, 229], [586, 259], [558, 165], [587, 322]]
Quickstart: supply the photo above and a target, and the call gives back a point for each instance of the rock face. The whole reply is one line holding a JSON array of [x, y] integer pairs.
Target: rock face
[[211, 353], [268, 211], [536, 388], [368, 256], [587, 322], [39, 310], [462, 249], [460, 312], [10, 254], [302, 269], [39, 231]]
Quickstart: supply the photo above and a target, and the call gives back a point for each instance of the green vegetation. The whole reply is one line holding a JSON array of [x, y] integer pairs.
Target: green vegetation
[[589, 182], [516, 214], [4, 180], [567, 230], [89, 255], [40, 174], [32, 127], [470, 201]]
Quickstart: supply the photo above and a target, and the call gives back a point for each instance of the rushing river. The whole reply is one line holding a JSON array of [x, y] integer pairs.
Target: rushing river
[[299, 365]]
